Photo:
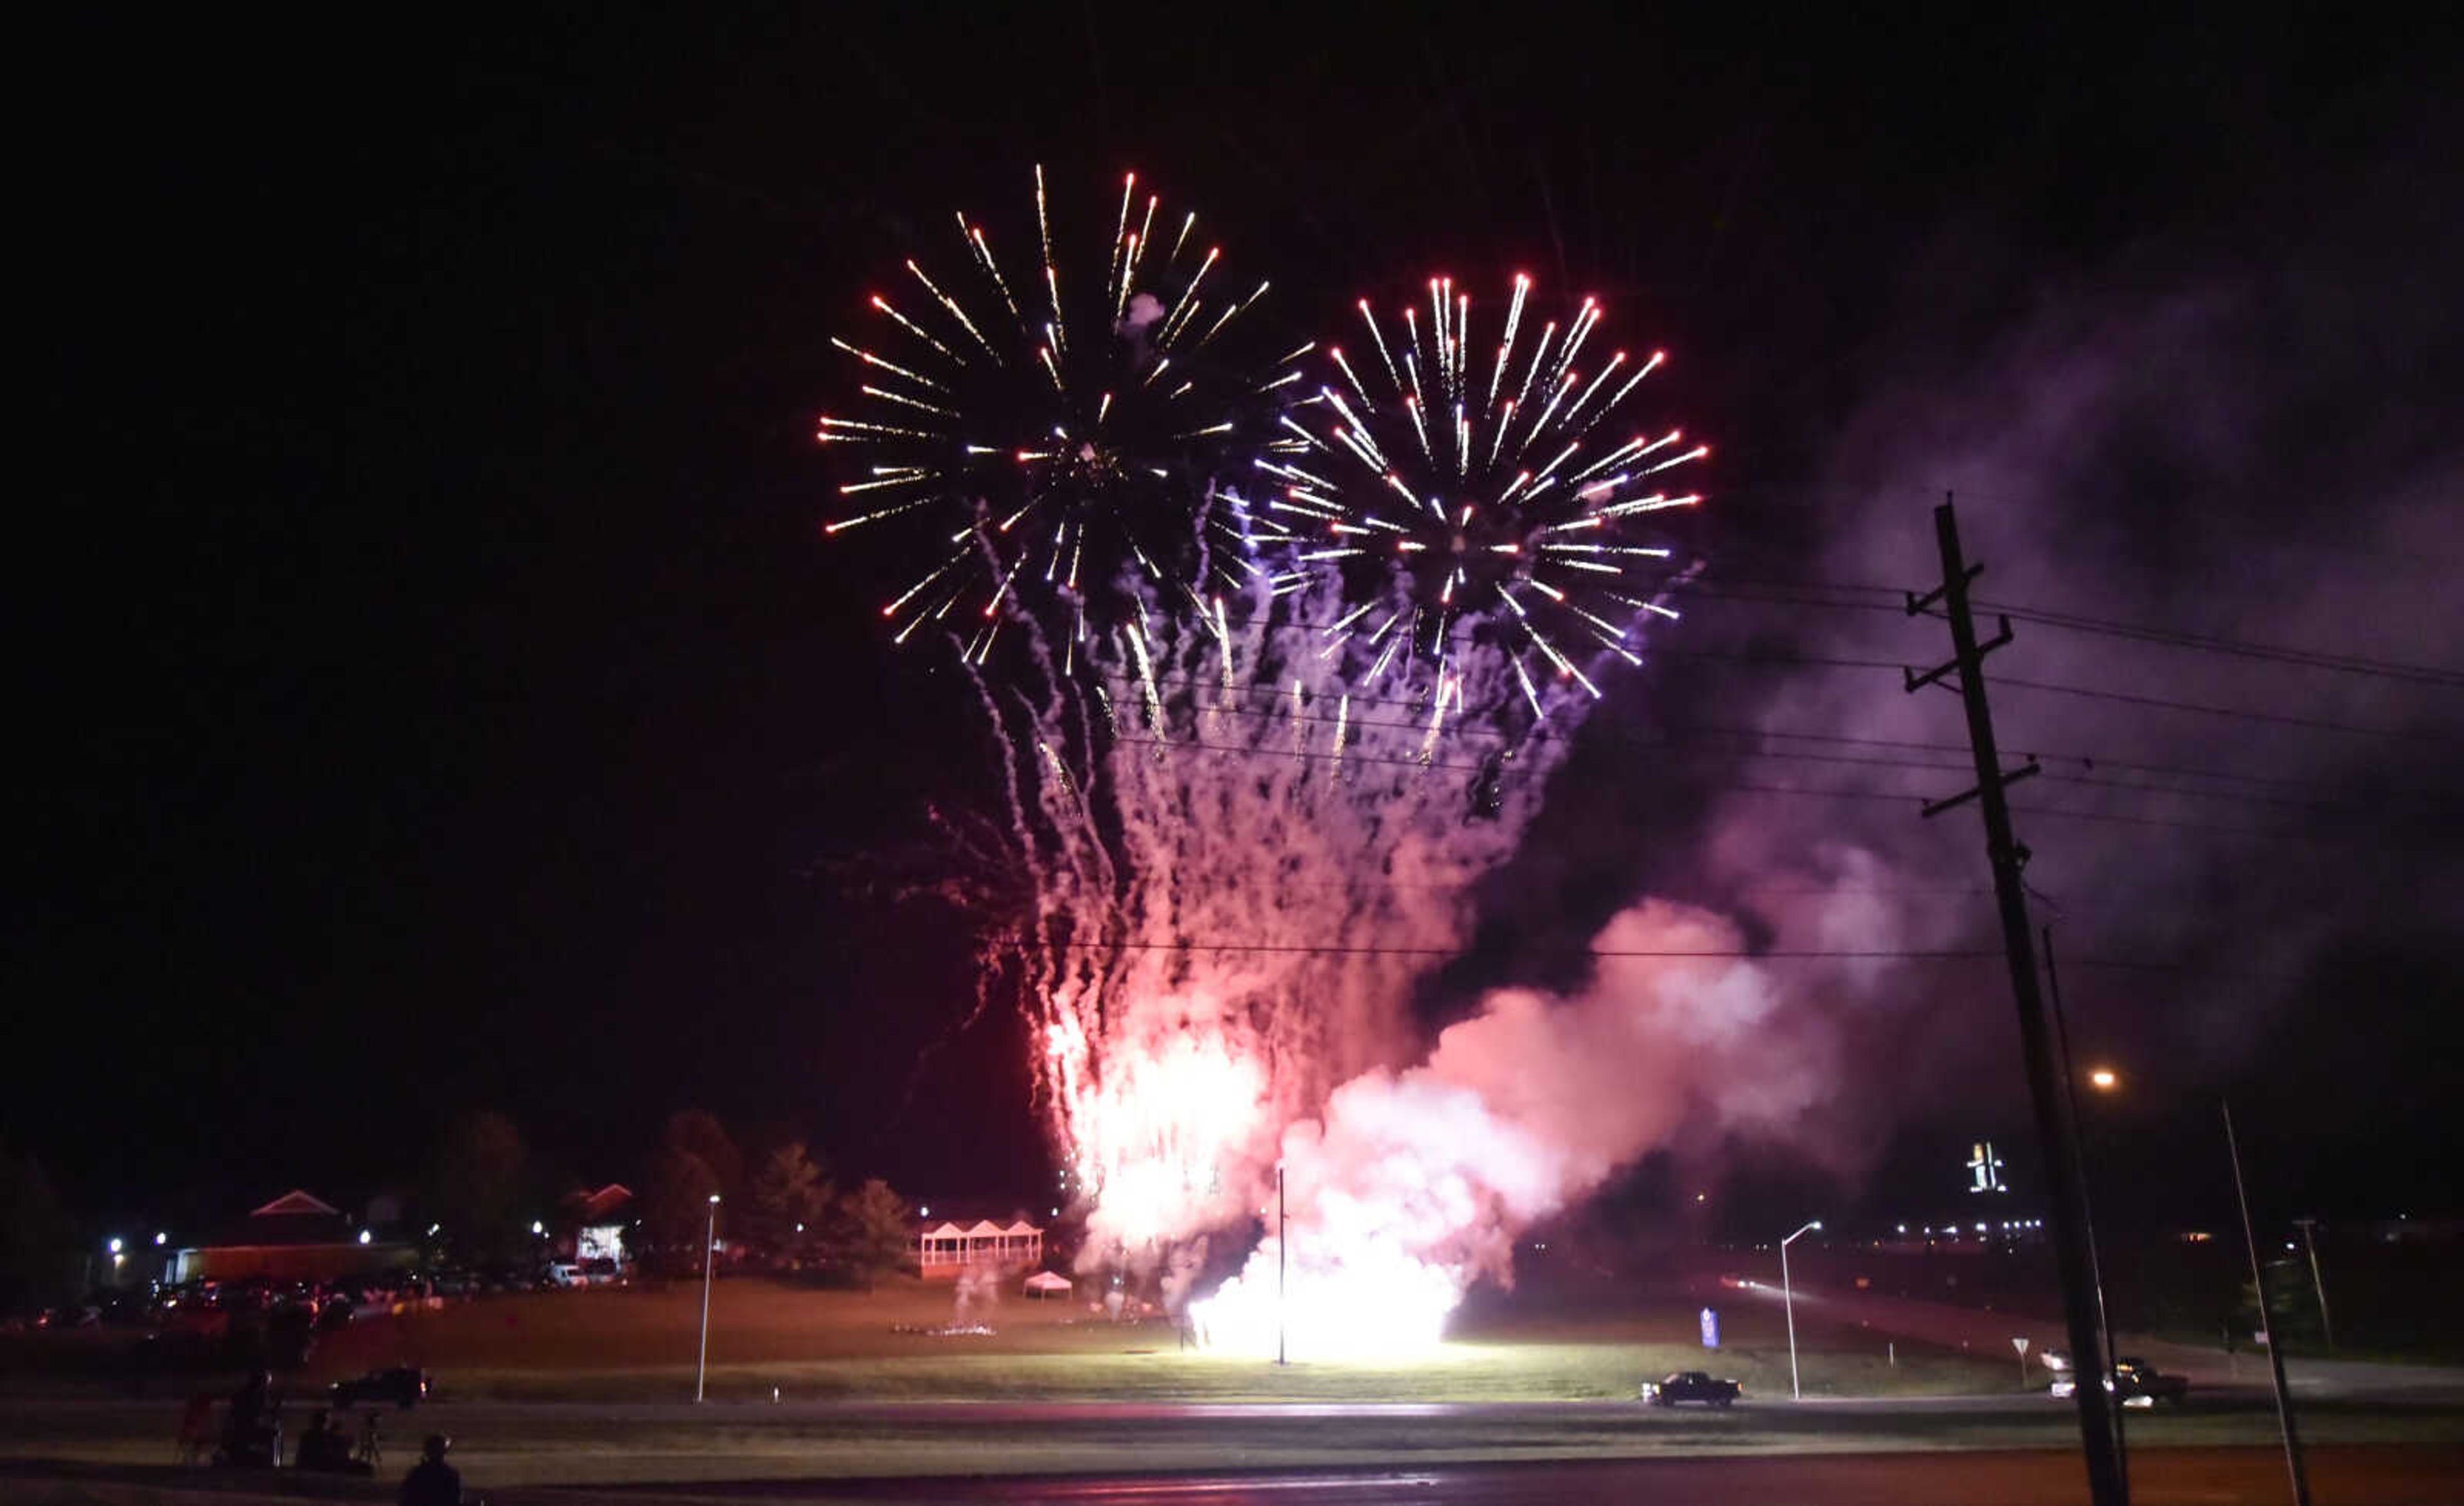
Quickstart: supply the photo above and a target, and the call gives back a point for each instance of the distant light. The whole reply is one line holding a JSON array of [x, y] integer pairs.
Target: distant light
[[1980, 1229], [800, 1229], [1904, 1229], [364, 1236], [433, 1228], [113, 1244], [535, 1227], [1701, 1197], [713, 1199], [159, 1237], [1817, 1223], [2104, 1079], [922, 1213], [1056, 1212]]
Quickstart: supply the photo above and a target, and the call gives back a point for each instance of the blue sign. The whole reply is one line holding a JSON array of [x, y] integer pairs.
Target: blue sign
[[1711, 1329]]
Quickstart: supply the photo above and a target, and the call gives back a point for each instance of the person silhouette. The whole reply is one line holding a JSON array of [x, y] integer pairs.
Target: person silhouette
[[432, 1482]]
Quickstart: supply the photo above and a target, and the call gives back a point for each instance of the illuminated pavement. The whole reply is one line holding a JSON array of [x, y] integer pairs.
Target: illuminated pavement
[[1988, 1333], [1156, 1452], [2388, 1474]]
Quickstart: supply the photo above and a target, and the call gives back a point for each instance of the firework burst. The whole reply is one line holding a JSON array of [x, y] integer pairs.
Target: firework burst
[[1048, 430], [1507, 498]]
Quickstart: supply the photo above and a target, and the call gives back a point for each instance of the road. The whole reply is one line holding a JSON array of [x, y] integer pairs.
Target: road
[[2386, 1474], [1989, 1333], [1176, 1448]]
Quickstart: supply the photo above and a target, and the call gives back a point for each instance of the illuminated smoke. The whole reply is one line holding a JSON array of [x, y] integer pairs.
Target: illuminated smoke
[[1237, 871], [1415, 1183]]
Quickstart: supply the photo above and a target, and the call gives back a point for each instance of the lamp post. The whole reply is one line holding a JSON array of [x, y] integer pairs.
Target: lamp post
[[709, 1242], [2284, 1423], [2310, 1240], [1788, 1304], [2103, 1080], [1283, 1260]]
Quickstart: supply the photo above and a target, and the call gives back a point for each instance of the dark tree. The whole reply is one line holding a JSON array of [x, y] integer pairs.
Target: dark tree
[[675, 1211], [698, 1133], [874, 1226], [37, 1255], [788, 1198], [477, 1188]]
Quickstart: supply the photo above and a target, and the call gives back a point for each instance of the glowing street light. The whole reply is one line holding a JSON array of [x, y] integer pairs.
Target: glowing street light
[[2103, 1080], [709, 1243], [1788, 1302]]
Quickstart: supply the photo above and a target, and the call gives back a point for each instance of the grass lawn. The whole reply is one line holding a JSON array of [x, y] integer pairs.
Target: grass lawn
[[627, 1344]]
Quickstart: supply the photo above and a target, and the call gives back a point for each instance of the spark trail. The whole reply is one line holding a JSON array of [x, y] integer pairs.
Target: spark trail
[[1034, 427], [1213, 860], [1505, 495]]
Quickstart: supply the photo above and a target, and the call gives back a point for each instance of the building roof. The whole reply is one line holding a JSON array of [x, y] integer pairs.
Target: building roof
[[298, 1217], [945, 1229], [592, 1207]]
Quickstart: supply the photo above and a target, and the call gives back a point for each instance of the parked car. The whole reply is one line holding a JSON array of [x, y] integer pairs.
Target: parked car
[[1689, 1385], [405, 1385]]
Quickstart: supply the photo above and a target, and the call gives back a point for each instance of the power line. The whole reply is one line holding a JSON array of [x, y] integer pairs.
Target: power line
[[1837, 661], [1885, 598], [1682, 747], [2308, 659], [2279, 718], [1741, 787], [1738, 954], [2084, 759]]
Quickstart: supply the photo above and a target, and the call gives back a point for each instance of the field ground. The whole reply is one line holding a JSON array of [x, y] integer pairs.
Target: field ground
[[638, 1344], [594, 1389], [825, 1345]]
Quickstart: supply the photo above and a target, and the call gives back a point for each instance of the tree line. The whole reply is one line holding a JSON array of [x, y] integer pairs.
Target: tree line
[[784, 1210], [481, 1188]]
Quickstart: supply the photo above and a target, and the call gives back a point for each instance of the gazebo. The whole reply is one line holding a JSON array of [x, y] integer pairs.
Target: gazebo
[[945, 1247]]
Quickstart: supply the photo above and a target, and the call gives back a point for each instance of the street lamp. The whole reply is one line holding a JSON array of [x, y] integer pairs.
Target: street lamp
[[1787, 1303], [1283, 1261], [2309, 1227], [709, 1243]]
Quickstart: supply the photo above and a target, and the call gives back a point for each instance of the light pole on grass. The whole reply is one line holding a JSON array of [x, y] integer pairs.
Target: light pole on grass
[[709, 1243], [1283, 1263], [1788, 1304], [2309, 1227]]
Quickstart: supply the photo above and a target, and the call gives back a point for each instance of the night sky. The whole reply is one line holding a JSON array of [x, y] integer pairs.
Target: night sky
[[432, 690]]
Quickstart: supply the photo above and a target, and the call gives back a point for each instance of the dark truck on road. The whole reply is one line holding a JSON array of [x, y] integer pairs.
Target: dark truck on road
[[2135, 1381], [1689, 1385]]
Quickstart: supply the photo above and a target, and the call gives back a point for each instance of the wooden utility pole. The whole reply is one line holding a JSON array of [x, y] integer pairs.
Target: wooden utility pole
[[2056, 1134], [2294, 1469]]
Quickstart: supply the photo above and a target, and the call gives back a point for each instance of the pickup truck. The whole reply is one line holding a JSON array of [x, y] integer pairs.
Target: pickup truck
[[2135, 1381], [1689, 1385]]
